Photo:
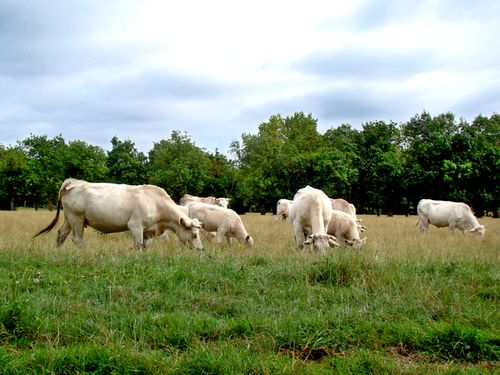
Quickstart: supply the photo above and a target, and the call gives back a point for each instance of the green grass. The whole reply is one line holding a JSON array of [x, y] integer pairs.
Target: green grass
[[404, 303]]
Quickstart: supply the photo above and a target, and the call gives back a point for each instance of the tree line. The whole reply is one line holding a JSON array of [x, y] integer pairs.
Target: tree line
[[383, 168]]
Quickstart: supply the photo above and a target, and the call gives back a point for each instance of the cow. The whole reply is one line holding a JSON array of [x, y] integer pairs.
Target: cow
[[145, 210], [309, 213], [345, 229], [455, 215], [224, 221], [188, 199], [283, 209], [344, 206]]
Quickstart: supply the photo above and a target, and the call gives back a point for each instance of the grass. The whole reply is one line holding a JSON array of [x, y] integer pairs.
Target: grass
[[404, 303]]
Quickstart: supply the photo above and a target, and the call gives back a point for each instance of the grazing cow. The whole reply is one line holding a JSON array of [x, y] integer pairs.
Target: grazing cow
[[187, 199], [447, 214], [309, 213], [224, 221], [344, 206], [145, 210], [283, 209], [345, 229]]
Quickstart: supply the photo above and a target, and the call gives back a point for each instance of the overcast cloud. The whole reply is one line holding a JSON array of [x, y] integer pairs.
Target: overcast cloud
[[92, 69]]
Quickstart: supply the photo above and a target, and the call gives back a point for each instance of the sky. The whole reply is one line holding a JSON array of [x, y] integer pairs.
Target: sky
[[90, 69]]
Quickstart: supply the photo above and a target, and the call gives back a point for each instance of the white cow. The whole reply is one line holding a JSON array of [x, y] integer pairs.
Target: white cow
[[145, 210], [345, 229], [224, 221], [309, 213], [283, 209], [344, 206], [188, 199], [447, 214]]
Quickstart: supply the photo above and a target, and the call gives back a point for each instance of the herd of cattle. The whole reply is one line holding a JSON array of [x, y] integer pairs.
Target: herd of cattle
[[148, 211]]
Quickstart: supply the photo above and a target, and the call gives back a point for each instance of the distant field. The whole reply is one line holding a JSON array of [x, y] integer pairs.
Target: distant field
[[404, 303]]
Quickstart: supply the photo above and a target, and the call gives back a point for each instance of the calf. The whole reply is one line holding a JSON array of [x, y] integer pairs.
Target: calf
[[345, 228], [224, 221]]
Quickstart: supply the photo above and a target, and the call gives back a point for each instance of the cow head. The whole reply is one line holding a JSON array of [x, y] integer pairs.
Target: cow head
[[356, 242], [222, 202], [249, 241], [321, 241], [190, 232], [480, 229]]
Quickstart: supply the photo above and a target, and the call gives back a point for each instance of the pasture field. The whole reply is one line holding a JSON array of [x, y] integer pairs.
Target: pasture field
[[405, 303]]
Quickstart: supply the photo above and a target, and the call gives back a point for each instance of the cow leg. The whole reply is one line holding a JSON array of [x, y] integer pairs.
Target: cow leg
[[77, 224], [63, 233], [147, 241], [148, 238], [424, 226], [220, 235], [452, 228], [299, 234], [77, 236], [137, 236]]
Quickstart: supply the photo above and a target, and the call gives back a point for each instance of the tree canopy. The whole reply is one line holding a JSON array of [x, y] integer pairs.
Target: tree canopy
[[383, 168]]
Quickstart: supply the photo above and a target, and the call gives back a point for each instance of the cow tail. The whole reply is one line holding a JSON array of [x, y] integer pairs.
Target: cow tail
[[54, 222]]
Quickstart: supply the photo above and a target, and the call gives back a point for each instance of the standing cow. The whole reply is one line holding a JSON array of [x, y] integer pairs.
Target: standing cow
[[448, 214], [309, 213], [145, 210]]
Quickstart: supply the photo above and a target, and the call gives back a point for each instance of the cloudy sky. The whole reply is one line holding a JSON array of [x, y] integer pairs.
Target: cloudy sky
[[93, 69]]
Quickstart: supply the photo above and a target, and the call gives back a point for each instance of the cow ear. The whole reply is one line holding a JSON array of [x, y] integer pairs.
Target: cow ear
[[332, 241], [183, 223], [308, 241], [249, 240], [363, 241]]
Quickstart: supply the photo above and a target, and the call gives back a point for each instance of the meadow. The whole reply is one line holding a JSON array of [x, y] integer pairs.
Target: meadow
[[404, 303]]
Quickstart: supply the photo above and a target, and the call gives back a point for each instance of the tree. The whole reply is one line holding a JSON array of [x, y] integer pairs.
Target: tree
[[13, 163], [380, 166], [486, 156], [126, 165], [277, 161], [474, 169], [46, 168], [85, 162], [427, 143], [221, 178], [179, 166], [343, 141]]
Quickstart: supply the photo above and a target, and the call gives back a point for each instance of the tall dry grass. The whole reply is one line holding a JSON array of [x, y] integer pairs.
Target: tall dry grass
[[388, 237]]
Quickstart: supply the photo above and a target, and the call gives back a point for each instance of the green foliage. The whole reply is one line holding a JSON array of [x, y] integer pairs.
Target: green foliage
[[179, 166], [46, 167], [382, 168], [13, 163], [125, 164]]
